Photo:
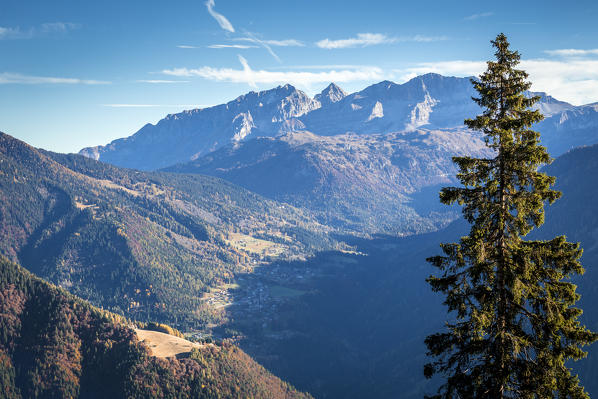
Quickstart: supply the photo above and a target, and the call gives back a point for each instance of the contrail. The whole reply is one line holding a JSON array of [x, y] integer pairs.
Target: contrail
[[221, 19]]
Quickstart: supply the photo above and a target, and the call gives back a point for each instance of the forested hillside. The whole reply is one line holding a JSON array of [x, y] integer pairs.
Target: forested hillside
[[54, 345], [147, 245]]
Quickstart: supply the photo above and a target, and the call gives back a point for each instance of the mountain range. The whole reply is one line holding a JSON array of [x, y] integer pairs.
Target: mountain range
[[429, 101], [335, 324], [367, 162]]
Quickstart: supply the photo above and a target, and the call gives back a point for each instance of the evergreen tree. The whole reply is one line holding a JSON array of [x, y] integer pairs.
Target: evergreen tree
[[515, 323]]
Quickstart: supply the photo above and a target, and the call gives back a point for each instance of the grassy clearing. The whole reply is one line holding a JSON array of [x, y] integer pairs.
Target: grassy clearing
[[254, 245], [165, 345], [110, 184], [82, 206]]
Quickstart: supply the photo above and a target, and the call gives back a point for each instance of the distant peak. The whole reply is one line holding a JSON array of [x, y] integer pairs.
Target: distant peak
[[278, 90], [433, 77], [385, 84], [332, 87], [270, 95], [379, 88], [331, 94], [286, 87]]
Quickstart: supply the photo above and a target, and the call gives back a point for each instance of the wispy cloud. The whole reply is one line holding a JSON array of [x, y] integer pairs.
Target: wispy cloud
[[572, 52], [478, 16], [285, 43], [8, 33], [571, 80], [239, 46], [60, 27], [275, 43], [575, 80], [267, 44], [362, 39], [328, 66], [14, 33], [254, 39], [299, 78], [161, 81], [16, 78], [154, 105], [372, 39], [221, 19]]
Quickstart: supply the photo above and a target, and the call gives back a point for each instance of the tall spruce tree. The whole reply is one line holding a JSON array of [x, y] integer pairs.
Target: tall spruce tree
[[515, 324]]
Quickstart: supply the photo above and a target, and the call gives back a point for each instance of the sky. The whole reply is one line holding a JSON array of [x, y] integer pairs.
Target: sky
[[82, 73]]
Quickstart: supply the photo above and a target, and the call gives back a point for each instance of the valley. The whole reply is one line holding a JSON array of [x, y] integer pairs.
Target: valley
[[220, 199], [302, 244], [148, 245]]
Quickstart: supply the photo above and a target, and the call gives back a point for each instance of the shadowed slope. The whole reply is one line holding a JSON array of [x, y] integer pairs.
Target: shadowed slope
[[54, 345]]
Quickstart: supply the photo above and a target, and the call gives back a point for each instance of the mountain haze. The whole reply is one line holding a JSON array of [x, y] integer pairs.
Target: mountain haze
[[364, 183]]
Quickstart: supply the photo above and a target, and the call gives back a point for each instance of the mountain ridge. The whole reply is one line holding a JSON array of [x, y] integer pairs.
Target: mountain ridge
[[429, 101]]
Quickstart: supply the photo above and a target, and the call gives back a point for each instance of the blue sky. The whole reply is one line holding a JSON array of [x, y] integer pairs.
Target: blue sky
[[81, 73]]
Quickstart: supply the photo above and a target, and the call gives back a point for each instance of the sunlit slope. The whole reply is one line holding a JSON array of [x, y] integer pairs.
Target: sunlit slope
[[145, 244]]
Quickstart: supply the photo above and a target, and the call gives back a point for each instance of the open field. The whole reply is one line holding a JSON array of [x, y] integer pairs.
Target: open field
[[254, 245], [165, 345]]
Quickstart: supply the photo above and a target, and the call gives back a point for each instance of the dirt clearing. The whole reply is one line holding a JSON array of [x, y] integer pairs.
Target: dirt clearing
[[165, 345]]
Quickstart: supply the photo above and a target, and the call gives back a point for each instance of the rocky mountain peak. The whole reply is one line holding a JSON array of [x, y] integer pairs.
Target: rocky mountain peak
[[268, 96], [331, 94]]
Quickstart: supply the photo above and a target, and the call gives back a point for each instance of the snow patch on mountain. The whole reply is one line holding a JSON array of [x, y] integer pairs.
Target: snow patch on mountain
[[242, 125], [420, 114], [377, 111]]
